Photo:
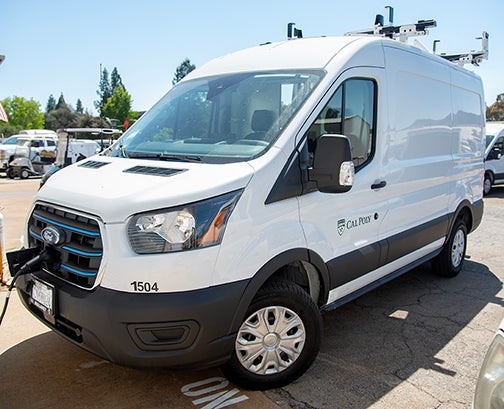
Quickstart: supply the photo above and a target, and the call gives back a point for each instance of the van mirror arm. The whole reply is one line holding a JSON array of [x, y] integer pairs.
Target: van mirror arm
[[333, 169]]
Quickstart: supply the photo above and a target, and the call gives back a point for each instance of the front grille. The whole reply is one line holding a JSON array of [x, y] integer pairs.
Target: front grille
[[77, 256]]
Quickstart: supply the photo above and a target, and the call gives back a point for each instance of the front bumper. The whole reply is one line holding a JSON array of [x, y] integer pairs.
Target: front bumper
[[184, 329]]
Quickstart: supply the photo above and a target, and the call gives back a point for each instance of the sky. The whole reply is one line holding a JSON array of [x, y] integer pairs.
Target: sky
[[56, 46]]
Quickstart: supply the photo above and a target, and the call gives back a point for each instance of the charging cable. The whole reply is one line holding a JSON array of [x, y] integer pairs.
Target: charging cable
[[26, 268]]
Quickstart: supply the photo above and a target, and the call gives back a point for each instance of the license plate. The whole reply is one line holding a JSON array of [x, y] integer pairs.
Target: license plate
[[42, 296]]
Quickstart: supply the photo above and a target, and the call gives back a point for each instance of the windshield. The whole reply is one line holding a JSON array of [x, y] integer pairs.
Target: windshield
[[489, 139], [220, 119]]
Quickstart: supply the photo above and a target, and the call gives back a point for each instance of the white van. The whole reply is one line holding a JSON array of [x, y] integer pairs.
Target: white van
[[269, 185], [494, 158]]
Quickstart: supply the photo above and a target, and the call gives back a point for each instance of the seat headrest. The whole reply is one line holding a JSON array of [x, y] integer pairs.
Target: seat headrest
[[262, 119]]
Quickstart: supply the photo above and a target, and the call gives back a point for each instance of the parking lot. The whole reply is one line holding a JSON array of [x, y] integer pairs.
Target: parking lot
[[416, 342]]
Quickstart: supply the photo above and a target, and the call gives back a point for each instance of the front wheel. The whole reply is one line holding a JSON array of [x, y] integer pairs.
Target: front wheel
[[24, 173], [278, 340], [449, 262]]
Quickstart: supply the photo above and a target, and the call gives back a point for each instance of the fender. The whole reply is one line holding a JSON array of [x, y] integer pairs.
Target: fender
[[269, 269], [472, 220]]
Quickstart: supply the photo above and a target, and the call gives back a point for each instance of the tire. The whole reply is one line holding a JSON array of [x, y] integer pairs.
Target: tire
[[23, 173], [10, 173], [487, 184], [450, 261], [278, 340]]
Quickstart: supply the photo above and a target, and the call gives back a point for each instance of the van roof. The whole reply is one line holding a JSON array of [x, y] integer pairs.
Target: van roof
[[309, 53], [298, 54]]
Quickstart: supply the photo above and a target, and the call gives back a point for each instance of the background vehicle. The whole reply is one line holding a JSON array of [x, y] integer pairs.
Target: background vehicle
[[490, 386], [494, 155], [33, 156], [8, 147], [71, 150]]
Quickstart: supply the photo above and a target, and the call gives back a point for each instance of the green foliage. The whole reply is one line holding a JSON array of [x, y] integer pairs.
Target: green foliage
[[23, 113], [7, 129], [107, 88], [495, 112], [115, 80], [61, 118], [61, 102], [182, 70], [88, 121], [104, 91], [51, 104], [118, 105], [78, 107]]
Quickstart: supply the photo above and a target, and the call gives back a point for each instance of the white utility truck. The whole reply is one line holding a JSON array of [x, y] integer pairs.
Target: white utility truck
[[267, 186]]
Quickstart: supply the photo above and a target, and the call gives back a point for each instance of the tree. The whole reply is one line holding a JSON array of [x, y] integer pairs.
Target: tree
[[23, 113], [61, 118], [182, 70], [118, 106], [61, 102], [51, 104], [115, 80], [78, 107], [495, 112], [104, 91]]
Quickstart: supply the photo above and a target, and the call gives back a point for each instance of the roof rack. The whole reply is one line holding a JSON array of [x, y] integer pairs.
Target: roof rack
[[470, 57], [401, 32], [404, 31]]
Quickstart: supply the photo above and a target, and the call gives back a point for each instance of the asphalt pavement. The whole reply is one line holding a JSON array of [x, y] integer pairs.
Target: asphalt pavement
[[416, 342]]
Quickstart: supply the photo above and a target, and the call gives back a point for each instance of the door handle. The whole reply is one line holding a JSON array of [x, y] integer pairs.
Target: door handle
[[379, 184]]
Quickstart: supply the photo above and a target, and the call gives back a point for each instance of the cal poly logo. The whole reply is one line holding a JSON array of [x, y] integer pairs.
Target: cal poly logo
[[341, 226]]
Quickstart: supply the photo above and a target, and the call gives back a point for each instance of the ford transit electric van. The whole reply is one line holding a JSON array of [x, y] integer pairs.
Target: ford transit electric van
[[267, 186]]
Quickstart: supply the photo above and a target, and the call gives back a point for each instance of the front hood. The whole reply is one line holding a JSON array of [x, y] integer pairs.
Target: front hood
[[116, 188]]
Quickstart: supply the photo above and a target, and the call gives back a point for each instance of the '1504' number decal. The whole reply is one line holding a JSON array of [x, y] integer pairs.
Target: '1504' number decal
[[144, 286]]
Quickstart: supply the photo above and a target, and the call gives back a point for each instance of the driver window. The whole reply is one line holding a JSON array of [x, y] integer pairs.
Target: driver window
[[350, 112]]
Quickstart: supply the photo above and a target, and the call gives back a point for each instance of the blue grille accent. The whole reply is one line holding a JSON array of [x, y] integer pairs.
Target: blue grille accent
[[78, 259], [79, 272], [66, 226], [80, 252]]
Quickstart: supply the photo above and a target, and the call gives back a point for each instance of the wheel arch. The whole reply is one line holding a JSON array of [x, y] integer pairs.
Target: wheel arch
[[470, 213], [301, 266]]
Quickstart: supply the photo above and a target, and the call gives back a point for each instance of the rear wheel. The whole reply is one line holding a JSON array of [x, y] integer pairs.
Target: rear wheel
[[487, 184], [278, 339], [450, 261], [10, 173]]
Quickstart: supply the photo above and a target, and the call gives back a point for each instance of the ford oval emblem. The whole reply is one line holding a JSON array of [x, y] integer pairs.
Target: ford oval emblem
[[52, 235]]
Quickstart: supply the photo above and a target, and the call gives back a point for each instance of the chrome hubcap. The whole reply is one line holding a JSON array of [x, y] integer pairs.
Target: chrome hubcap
[[458, 248], [270, 340]]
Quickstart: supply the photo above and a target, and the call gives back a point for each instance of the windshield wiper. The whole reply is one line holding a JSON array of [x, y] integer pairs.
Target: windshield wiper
[[164, 156]]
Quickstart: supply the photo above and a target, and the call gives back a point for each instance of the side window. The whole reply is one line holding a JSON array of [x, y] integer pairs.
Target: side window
[[350, 112], [500, 144]]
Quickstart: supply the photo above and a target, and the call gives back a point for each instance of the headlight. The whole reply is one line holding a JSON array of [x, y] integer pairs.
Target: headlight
[[195, 225], [490, 388]]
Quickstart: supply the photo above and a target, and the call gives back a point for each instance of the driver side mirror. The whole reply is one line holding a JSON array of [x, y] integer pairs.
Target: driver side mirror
[[333, 169], [495, 153]]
